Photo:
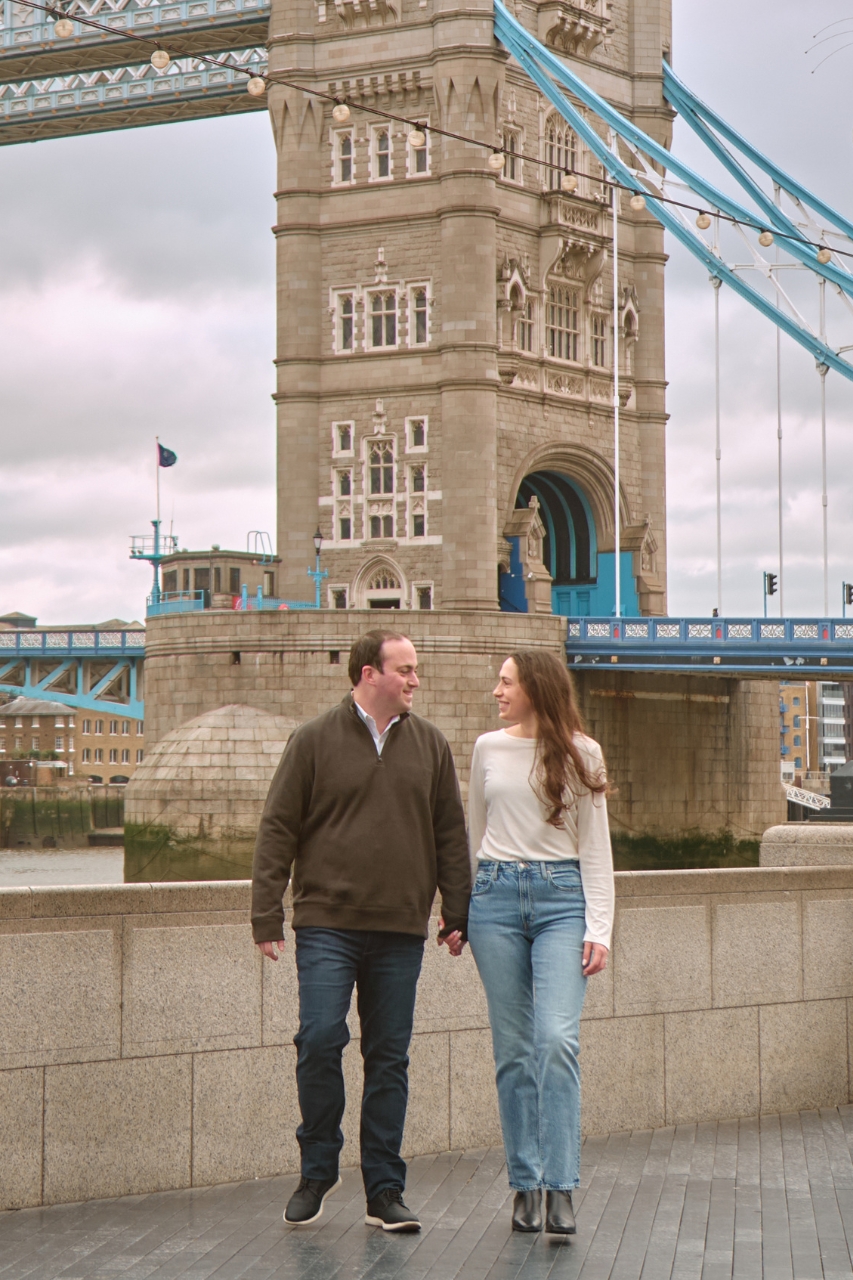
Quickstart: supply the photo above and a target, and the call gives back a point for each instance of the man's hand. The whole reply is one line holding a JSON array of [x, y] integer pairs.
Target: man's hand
[[453, 941], [268, 949], [594, 958]]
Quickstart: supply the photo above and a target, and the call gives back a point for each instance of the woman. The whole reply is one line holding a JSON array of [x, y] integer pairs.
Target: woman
[[540, 921]]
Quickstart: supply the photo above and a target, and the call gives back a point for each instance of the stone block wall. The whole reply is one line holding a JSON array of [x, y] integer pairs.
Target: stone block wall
[[684, 752], [146, 1047]]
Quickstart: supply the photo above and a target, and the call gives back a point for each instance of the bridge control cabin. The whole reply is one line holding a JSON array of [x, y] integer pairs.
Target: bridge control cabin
[[215, 579]]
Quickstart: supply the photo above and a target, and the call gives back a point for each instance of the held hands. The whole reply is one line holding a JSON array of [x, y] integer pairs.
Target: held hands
[[268, 949], [594, 958], [453, 941]]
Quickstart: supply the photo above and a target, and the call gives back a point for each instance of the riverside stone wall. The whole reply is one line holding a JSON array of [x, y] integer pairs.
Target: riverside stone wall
[[145, 1047], [683, 751]]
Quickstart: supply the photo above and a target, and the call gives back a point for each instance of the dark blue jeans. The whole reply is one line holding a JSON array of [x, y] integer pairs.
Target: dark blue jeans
[[385, 968]]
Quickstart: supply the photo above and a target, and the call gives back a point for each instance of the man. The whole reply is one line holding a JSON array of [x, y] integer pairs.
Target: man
[[365, 808]]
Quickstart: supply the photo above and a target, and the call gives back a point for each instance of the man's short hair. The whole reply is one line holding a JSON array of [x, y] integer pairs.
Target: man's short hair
[[367, 651]]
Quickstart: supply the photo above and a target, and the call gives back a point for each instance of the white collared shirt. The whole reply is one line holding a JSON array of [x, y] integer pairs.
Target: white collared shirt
[[378, 738]]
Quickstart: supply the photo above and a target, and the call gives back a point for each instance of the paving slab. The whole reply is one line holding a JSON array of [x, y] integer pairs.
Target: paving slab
[[767, 1198]]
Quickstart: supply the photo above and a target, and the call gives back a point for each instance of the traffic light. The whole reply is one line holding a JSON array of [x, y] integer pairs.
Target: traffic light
[[848, 593], [770, 583]]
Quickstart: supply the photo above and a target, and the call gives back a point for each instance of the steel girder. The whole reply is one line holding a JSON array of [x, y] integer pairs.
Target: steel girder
[[94, 81]]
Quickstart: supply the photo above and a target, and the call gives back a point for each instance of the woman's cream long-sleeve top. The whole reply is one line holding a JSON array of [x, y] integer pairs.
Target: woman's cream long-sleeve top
[[506, 821]]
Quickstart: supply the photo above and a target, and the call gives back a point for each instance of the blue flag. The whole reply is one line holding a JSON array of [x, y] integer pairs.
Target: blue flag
[[167, 458]]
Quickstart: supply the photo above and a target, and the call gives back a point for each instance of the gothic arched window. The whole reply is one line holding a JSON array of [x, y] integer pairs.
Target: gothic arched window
[[562, 328], [561, 150]]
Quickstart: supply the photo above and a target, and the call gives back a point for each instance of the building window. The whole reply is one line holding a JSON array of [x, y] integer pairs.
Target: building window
[[798, 741], [114, 756], [59, 744], [87, 756], [418, 317], [59, 722], [512, 157], [345, 528], [34, 723], [125, 756], [344, 484], [382, 526], [2, 746], [796, 701], [99, 755], [383, 320], [345, 322], [796, 722], [234, 581], [217, 579], [418, 479], [125, 728], [113, 728], [339, 597], [380, 154], [343, 162], [99, 726], [524, 326], [416, 434], [342, 432], [418, 157], [34, 744], [381, 468], [19, 724], [561, 151], [599, 341], [562, 332], [269, 584], [418, 525], [798, 762], [424, 597], [170, 580], [87, 726], [140, 728], [19, 744], [186, 580], [71, 722]]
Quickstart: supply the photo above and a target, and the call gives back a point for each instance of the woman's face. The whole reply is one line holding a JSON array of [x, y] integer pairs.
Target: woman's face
[[513, 703]]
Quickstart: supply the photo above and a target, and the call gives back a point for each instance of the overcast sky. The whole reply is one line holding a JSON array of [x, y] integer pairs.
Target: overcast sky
[[137, 298]]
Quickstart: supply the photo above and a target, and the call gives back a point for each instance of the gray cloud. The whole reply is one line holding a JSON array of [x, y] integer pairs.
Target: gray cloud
[[137, 297]]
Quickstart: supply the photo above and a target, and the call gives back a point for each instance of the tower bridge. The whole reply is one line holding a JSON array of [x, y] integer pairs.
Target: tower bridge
[[98, 79], [470, 355], [89, 669]]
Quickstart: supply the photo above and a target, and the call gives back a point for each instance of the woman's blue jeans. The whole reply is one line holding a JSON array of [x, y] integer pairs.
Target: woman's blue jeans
[[526, 928]]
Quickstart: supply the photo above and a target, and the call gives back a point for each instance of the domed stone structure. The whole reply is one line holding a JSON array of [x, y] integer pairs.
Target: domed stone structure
[[193, 805]]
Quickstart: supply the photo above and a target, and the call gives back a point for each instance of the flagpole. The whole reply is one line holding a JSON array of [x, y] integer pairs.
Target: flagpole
[[157, 474]]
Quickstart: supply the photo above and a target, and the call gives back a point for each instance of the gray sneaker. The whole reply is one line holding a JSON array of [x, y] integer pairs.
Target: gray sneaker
[[306, 1203]]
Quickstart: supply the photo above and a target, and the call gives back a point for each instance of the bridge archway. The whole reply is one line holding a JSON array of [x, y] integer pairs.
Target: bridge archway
[[574, 489]]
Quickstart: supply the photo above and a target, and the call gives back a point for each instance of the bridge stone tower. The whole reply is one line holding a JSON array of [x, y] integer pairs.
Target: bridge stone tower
[[444, 338], [445, 400]]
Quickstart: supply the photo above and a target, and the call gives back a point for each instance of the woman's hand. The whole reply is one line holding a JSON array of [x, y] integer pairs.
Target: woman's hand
[[594, 958], [453, 941]]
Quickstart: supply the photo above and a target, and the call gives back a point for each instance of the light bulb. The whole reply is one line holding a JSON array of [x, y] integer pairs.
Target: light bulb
[[63, 29], [160, 59], [256, 86], [766, 238], [417, 139], [703, 222], [496, 161], [340, 113], [824, 256], [568, 182], [637, 202]]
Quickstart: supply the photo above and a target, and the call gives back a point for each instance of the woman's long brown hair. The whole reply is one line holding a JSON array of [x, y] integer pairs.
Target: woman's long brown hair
[[560, 769]]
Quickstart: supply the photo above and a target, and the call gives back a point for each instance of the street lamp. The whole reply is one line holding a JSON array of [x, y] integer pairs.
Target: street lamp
[[317, 573]]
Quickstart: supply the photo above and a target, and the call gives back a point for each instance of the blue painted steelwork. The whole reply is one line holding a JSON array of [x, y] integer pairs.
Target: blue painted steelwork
[[174, 602], [547, 72], [75, 651], [808, 647]]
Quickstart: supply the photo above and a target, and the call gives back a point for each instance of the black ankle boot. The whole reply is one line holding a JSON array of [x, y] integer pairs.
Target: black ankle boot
[[527, 1211], [559, 1213]]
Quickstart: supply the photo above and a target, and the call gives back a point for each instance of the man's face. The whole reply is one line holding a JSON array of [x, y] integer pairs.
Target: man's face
[[395, 684]]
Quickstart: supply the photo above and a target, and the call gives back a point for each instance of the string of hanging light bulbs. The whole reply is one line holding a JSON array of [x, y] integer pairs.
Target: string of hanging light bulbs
[[256, 86]]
